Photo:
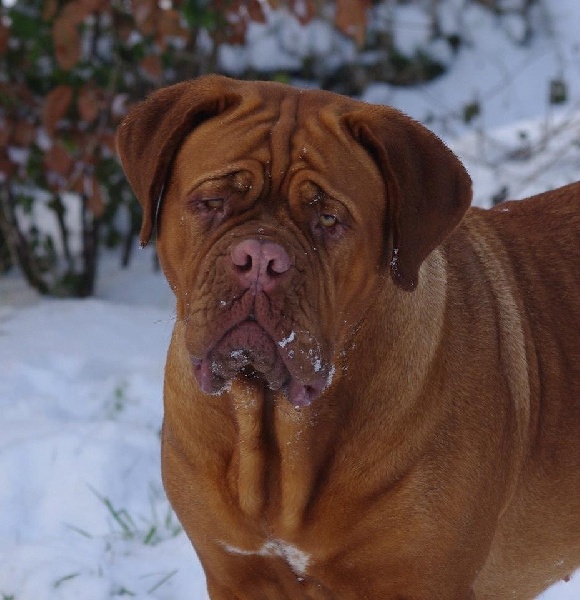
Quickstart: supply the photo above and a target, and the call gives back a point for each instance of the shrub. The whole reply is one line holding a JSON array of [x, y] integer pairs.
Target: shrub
[[70, 71]]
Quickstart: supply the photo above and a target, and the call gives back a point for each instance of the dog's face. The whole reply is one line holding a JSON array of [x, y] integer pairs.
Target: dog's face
[[265, 227], [281, 215]]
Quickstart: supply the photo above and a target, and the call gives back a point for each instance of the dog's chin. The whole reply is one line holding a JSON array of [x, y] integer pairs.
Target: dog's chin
[[247, 351]]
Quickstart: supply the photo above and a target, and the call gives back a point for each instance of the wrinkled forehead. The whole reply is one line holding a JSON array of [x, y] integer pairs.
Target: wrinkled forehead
[[279, 138]]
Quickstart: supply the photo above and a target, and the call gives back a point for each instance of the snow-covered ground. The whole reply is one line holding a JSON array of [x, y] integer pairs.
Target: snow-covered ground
[[82, 510]]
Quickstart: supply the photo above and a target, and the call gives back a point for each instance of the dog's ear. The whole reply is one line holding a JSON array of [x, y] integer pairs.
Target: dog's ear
[[148, 138], [428, 189]]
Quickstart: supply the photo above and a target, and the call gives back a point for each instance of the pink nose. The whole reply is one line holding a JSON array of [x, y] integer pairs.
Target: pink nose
[[259, 263]]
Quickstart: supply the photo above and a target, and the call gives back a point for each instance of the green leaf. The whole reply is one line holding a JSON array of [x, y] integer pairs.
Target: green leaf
[[471, 111], [558, 91], [23, 25], [198, 14]]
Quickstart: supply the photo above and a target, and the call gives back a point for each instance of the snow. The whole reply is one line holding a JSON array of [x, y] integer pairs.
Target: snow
[[283, 44], [83, 514], [297, 559], [511, 81], [82, 509], [287, 340]]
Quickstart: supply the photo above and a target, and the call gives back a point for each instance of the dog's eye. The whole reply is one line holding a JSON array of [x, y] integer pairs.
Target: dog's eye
[[327, 221], [214, 203]]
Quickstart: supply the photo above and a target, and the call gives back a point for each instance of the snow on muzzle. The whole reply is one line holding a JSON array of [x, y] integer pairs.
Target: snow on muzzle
[[248, 349]]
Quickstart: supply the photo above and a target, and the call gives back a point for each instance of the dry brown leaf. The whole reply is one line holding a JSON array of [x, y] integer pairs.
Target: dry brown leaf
[[6, 127], [24, 133], [145, 13], [169, 23], [89, 102], [255, 11], [66, 36], [7, 167], [169, 26], [241, 9], [153, 66], [95, 200], [76, 183], [49, 9], [75, 12], [95, 5], [351, 18], [67, 42], [4, 35], [237, 15], [57, 159], [17, 94], [235, 31], [56, 105]]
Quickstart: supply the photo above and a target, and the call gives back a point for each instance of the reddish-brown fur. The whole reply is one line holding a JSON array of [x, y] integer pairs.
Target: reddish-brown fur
[[442, 460]]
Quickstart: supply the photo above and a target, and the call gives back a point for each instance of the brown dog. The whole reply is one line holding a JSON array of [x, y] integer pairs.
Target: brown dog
[[372, 391]]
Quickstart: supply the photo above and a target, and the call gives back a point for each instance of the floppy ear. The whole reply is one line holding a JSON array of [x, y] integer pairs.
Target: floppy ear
[[428, 189], [148, 138]]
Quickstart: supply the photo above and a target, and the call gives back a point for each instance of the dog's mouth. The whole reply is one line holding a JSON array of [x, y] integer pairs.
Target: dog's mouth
[[247, 350]]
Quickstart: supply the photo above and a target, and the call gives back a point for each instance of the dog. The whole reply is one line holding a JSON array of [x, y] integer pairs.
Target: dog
[[372, 390]]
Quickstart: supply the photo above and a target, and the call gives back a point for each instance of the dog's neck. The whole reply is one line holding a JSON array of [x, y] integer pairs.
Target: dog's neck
[[281, 452], [271, 458]]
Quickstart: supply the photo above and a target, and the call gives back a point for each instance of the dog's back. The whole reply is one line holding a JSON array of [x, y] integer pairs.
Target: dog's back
[[539, 239]]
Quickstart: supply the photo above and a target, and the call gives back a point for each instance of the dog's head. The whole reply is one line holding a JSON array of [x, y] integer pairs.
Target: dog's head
[[279, 211]]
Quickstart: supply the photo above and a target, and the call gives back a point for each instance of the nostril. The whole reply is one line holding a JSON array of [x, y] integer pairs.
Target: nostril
[[277, 260], [245, 255], [246, 266], [275, 268]]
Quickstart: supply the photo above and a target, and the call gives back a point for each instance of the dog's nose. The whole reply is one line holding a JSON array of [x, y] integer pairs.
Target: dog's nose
[[260, 263]]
